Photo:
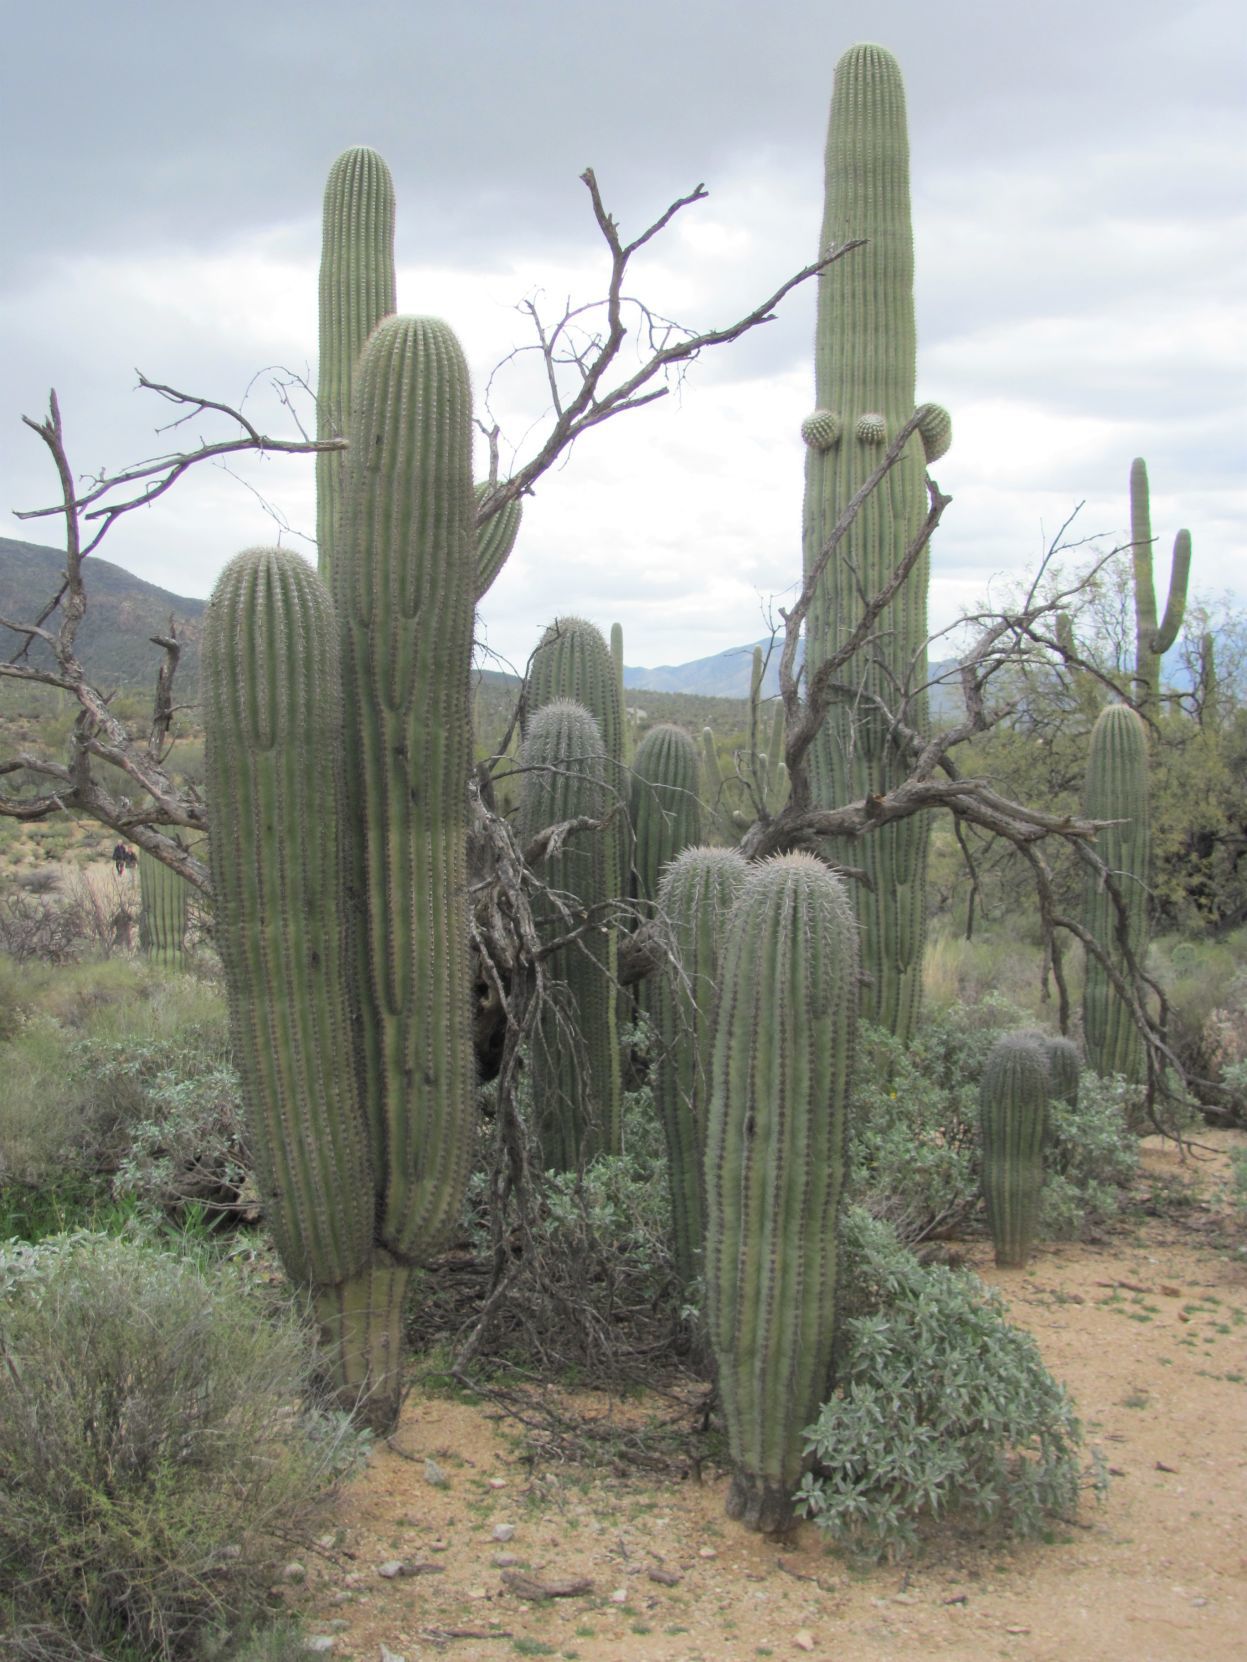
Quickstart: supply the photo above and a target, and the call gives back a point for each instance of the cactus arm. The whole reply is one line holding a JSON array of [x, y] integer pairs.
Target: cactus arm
[[272, 715], [356, 292], [1175, 604], [495, 538], [405, 581], [1152, 641]]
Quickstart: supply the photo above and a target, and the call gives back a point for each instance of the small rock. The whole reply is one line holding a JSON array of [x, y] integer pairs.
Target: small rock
[[1199, 1603], [665, 1578], [708, 1552], [803, 1640], [392, 1568], [439, 1546], [319, 1643], [502, 1532], [294, 1571], [497, 1483], [505, 1560], [388, 1655], [327, 1542], [478, 1593], [434, 1474], [619, 1596]]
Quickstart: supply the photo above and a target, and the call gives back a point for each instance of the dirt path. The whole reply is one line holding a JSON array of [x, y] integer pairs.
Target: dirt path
[[1148, 1331]]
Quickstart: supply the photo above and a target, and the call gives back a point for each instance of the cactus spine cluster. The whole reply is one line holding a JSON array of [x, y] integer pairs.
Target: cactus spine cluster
[[1117, 789], [1013, 1109], [865, 355], [162, 913], [1152, 641], [574, 1055], [695, 895], [775, 1164], [356, 292]]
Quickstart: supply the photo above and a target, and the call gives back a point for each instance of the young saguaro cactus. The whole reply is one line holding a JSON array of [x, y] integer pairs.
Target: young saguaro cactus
[[575, 1051], [775, 1164], [356, 292], [1013, 1119], [865, 357], [665, 807], [1152, 641], [695, 895], [162, 914], [1117, 790]]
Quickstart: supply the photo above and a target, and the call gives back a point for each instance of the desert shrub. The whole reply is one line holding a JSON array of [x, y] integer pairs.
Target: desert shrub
[[1206, 985], [941, 1409], [160, 1446], [1090, 1160]]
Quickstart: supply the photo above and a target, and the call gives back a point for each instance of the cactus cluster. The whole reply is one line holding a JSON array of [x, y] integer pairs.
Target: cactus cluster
[[1117, 790], [865, 355], [338, 749]]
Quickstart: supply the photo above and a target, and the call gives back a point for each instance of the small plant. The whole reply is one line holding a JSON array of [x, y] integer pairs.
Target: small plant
[[159, 1444], [941, 1408]]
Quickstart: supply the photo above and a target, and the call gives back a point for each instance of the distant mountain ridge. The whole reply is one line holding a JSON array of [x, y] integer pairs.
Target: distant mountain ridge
[[724, 675], [124, 612]]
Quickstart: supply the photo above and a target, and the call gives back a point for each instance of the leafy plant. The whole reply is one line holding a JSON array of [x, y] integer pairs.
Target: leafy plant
[[941, 1408]]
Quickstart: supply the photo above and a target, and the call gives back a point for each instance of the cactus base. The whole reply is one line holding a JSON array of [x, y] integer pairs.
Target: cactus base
[[757, 1504], [361, 1330]]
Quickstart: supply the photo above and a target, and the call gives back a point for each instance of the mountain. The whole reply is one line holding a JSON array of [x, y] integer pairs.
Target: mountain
[[123, 612], [725, 675]]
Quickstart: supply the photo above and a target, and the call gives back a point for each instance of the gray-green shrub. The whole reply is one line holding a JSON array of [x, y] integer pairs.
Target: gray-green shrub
[[159, 1447], [940, 1408]]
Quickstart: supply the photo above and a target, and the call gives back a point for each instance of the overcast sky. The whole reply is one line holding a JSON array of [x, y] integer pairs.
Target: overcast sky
[[1081, 246]]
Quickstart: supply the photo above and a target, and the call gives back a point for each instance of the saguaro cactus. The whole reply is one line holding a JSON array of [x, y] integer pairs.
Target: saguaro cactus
[[1117, 781], [356, 292], [162, 913], [575, 1051], [339, 846], [1013, 1108], [775, 1162], [664, 803], [865, 356], [1153, 641], [695, 895]]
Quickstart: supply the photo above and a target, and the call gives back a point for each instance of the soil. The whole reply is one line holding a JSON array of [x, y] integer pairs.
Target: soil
[[1148, 1330]]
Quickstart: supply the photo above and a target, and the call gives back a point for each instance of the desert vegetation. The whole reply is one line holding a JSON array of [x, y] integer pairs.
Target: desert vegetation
[[475, 1033]]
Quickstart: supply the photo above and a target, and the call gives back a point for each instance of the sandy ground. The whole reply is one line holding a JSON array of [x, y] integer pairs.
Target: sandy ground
[[1149, 1332]]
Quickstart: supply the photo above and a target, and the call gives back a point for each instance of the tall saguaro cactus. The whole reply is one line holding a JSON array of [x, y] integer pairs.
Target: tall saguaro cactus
[[339, 746], [356, 292], [865, 358], [775, 1163], [1152, 641], [1117, 781]]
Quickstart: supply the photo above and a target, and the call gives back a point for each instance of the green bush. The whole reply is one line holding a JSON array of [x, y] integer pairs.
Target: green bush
[[1091, 1159], [941, 1408], [160, 1448]]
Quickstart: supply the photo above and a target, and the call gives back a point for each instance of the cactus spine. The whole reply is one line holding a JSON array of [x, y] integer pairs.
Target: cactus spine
[[1117, 790], [775, 1163], [575, 1054], [356, 292], [1013, 1109], [665, 806], [864, 381], [1151, 641], [695, 895], [162, 913]]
